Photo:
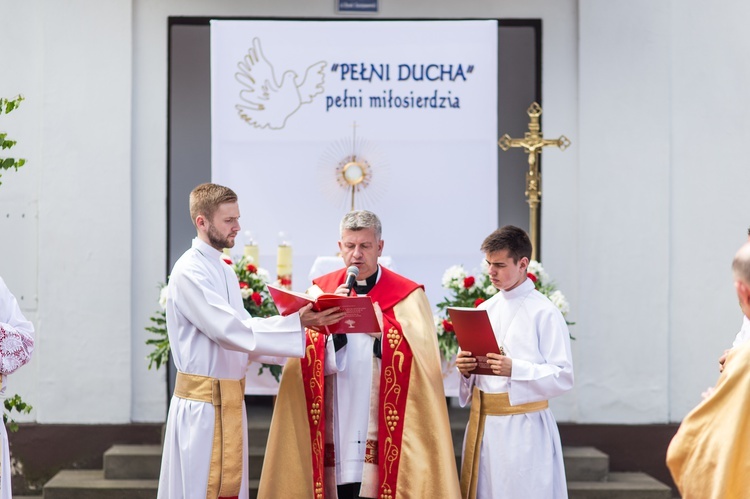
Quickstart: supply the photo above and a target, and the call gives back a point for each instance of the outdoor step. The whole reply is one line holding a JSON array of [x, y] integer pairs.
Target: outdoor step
[[585, 468], [255, 461], [91, 484], [258, 423], [132, 471], [620, 485], [132, 462], [585, 464], [257, 434], [582, 464], [144, 462]]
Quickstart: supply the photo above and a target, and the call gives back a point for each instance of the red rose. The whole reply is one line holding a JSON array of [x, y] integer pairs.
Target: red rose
[[448, 326], [252, 268], [284, 281], [478, 302], [228, 261], [257, 298], [468, 282], [244, 285], [532, 277]]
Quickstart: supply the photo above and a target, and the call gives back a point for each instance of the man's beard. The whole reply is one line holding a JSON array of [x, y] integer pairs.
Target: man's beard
[[217, 240]]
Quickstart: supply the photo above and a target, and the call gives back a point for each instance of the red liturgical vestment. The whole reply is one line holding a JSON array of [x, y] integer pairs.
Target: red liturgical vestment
[[409, 452]]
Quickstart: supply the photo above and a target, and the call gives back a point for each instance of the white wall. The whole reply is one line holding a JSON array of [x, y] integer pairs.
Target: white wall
[[641, 216], [624, 212], [19, 193], [73, 63], [663, 202], [711, 175]]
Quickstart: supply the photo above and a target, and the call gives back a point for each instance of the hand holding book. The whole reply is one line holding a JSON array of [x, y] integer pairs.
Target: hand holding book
[[345, 290], [479, 352], [315, 320], [359, 315]]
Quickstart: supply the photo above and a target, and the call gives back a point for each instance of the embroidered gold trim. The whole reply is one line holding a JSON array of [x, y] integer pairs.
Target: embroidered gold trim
[[483, 405], [371, 452], [228, 398]]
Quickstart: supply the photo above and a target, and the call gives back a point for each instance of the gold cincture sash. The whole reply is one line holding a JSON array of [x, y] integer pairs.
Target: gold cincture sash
[[483, 405], [228, 398]]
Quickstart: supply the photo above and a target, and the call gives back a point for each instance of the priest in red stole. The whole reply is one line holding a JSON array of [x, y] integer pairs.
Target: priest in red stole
[[364, 415]]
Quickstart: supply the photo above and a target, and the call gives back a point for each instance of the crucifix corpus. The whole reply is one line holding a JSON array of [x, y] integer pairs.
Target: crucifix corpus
[[532, 142]]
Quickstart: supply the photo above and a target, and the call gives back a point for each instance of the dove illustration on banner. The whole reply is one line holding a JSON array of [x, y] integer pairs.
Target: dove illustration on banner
[[268, 102]]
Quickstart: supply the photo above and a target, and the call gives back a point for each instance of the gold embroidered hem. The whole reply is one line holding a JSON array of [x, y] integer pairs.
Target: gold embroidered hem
[[228, 398], [483, 405]]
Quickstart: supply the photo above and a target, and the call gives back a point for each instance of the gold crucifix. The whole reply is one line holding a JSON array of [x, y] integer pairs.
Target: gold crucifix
[[532, 142]]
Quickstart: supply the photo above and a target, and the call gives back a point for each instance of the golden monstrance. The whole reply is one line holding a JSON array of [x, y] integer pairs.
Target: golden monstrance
[[532, 142], [354, 160]]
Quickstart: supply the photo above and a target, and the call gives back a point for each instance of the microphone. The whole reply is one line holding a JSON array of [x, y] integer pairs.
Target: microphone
[[351, 277]]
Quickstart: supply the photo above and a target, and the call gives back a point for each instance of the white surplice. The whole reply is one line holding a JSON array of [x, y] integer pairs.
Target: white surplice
[[352, 366], [16, 345], [211, 334], [521, 455], [351, 404], [744, 333]]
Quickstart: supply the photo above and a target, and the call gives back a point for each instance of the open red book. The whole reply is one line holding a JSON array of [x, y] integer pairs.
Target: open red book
[[474, 334], [360, 314]]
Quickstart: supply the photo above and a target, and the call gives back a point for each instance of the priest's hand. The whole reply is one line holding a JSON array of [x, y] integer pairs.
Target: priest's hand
[[465, 363], [723, 361], [500, 364], [342, 290], [314, 320]]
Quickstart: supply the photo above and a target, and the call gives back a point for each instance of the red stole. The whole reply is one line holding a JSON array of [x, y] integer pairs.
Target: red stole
[[395, 371]]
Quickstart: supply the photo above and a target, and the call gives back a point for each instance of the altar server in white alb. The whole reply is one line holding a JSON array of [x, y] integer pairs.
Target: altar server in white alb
[[16, 345], [212, 339], [512, 445]]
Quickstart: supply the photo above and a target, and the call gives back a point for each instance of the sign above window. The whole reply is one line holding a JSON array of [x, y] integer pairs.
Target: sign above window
[[357, 5]]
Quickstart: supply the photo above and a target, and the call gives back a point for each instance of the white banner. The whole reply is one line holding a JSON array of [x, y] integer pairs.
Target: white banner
[[410, 107]]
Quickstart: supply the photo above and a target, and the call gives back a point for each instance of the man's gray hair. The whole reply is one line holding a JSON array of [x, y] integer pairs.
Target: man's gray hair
[[362, 219], [741, 264]]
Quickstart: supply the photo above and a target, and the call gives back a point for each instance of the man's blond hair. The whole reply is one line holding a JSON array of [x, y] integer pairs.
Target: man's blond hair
[[206, 198]]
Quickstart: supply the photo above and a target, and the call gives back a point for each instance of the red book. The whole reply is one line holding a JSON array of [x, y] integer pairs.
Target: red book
[[474, 333], [360, 314]]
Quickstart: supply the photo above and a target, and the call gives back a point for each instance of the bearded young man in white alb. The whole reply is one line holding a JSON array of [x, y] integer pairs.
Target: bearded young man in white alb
[[212, 339], [516, 452]]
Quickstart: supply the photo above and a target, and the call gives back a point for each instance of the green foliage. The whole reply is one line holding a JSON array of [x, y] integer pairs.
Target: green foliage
[[14, 403], [7, 106], [274, 369], [160, 354]]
